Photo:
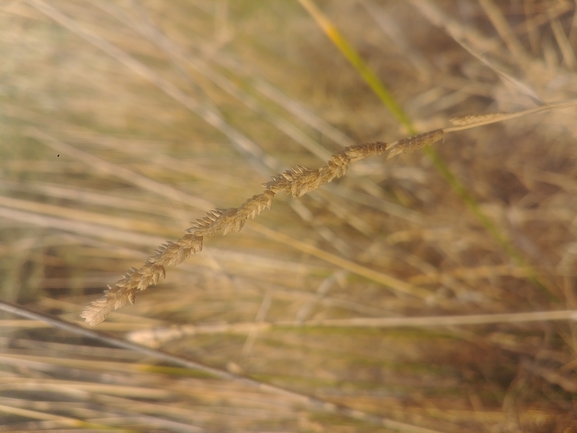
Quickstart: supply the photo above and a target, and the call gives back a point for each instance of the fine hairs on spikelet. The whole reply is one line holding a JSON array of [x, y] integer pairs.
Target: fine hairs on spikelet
[[474, 118], [296, 182]]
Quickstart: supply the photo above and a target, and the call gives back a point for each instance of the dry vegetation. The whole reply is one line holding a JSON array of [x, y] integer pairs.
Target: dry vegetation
[[392, 299]]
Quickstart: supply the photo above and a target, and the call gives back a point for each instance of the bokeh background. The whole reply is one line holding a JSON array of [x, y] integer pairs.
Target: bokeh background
[[122, 121]]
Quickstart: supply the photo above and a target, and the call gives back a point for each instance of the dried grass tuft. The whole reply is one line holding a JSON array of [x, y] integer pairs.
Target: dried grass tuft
[[386, 287]]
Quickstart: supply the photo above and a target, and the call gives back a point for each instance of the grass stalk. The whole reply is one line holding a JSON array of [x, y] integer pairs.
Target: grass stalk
[[379, 88]]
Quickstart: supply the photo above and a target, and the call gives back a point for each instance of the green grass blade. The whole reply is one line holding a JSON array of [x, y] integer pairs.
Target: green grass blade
[[358, 63], [387, 98]]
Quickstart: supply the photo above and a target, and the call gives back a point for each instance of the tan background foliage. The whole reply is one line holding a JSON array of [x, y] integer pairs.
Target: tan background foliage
[[122, 121]]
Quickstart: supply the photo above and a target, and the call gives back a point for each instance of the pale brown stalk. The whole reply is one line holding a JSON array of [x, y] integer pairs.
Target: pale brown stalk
[[296, 182]]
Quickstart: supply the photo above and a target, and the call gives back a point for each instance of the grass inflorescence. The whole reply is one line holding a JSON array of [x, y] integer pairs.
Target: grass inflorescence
[[296, 182]]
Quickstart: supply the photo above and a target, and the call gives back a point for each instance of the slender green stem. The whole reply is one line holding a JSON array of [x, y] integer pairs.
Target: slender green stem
[[386, 97]]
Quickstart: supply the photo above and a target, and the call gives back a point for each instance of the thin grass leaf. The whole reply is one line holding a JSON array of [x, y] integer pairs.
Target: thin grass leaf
[[386, 97]]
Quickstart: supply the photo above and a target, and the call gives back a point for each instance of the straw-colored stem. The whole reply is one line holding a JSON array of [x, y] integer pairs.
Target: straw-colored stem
[[296, 182]]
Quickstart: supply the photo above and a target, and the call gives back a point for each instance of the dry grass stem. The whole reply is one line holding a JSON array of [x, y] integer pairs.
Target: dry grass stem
[[157, 337], [295, 182]]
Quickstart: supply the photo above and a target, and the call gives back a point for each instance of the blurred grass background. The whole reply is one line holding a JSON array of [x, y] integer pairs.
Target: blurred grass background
[[122, 121]]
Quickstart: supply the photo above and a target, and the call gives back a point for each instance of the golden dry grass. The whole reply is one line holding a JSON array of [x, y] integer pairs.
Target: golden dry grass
[[380, 301]]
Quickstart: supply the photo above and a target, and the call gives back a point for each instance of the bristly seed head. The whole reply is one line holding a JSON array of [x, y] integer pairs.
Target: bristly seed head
[[296, 181]]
